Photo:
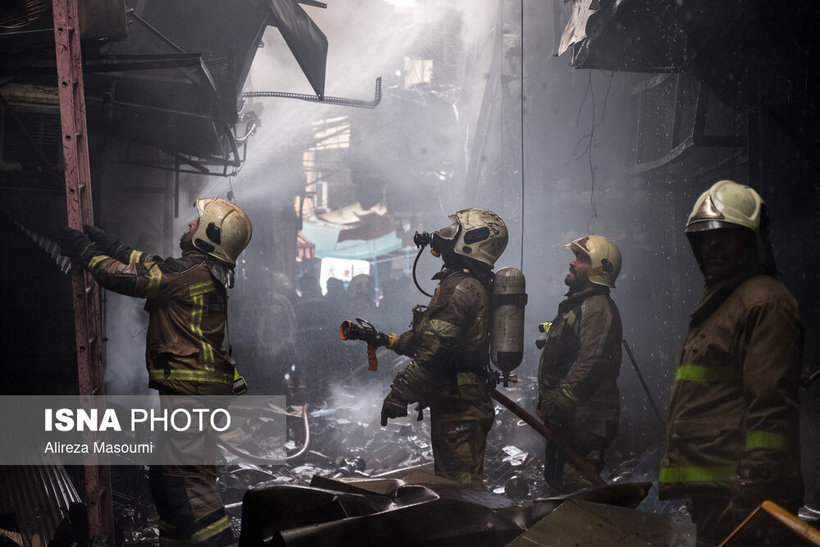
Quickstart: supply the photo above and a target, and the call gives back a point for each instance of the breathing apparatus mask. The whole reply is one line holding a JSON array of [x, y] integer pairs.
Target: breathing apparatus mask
[[475, 239], [441, 241]]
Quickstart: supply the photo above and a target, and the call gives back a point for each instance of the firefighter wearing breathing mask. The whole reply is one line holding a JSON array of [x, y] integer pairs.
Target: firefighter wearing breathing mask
[[732, 437], [449, 346], [186, 299]]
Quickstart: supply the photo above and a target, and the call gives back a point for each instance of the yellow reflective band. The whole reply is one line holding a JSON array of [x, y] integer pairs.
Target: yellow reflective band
[[154, 277], [201, 288], [191, 376], [766, 439], [568, 394], [466, 378], [715, 473], [167, 536], [465, 478], [134, 257], [196, 327], [210, 531], [698, 373], [443, 329], [96, 260]]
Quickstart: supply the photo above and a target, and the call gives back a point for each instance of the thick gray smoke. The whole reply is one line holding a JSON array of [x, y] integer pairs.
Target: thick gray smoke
[[551, 153]]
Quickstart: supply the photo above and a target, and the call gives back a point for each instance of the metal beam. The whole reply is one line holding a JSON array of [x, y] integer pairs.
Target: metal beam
[[87, 317]]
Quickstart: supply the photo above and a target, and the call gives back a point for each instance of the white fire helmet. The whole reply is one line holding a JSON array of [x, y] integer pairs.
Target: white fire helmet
[[727, 203], [479, 234], [224, 229]]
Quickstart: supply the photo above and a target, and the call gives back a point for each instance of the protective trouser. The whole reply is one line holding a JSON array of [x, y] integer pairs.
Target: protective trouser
[[187, 496], [458, 431], [189, 506]]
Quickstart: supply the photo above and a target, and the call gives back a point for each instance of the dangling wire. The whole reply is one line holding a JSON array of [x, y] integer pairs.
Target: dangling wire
[[521, 112]]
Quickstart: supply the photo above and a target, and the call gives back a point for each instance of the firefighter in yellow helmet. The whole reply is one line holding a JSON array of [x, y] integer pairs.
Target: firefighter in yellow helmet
[[186, 299], [732, 432], [578, 393], [449, 344]]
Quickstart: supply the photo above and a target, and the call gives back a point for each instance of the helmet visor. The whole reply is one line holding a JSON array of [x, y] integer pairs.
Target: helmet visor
[[704, 225], [448, 233], [445, 238]]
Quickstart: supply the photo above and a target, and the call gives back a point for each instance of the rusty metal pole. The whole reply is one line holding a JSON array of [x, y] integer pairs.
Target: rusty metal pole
[[87, 316]]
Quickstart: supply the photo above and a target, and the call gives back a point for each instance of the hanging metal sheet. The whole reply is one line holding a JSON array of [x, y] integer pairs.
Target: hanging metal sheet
[[305, 40]]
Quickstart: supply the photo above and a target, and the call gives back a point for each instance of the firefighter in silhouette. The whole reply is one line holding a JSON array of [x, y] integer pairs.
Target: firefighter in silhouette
[[186, 299], [449, 347]]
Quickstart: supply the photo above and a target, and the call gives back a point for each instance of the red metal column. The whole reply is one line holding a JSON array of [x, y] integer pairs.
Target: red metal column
[[87, 318]]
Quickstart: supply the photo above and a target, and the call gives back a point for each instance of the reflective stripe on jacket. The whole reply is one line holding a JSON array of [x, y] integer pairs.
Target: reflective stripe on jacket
[[450, 342], [734, 409]]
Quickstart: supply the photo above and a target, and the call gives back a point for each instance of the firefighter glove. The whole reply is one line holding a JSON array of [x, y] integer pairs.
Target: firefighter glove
[[377, 339], [557, 407], [74, 243], [384, 339], [105, 242], [394, 406]]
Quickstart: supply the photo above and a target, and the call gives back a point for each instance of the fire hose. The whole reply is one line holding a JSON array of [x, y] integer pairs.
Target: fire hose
[[575, 460], [368, 333]]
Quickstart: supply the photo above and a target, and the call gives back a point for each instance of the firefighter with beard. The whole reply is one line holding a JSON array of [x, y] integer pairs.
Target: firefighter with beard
[[732, 436], [578, 393], [449, 346], [186, 299]]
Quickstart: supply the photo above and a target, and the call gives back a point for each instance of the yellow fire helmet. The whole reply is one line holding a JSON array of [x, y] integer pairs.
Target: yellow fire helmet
[[224, 229], [604, 258], [481, 235]]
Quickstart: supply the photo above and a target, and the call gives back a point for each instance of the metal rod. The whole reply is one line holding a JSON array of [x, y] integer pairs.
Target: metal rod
[[341, 101], [154, 31], [643, 384]]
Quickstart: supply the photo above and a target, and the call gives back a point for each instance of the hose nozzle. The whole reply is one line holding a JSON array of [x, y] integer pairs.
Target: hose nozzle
[[349, 330]]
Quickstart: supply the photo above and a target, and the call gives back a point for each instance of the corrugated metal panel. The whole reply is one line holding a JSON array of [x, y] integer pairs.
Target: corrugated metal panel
[[40, 496]]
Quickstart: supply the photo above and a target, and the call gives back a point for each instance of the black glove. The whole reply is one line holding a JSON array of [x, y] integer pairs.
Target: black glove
[[394, 406], [376, 339], [383, 339], [105, 242], [73, 243], [556, 407]]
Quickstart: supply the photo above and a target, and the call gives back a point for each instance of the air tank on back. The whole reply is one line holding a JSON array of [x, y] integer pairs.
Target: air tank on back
[[507, 319]]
